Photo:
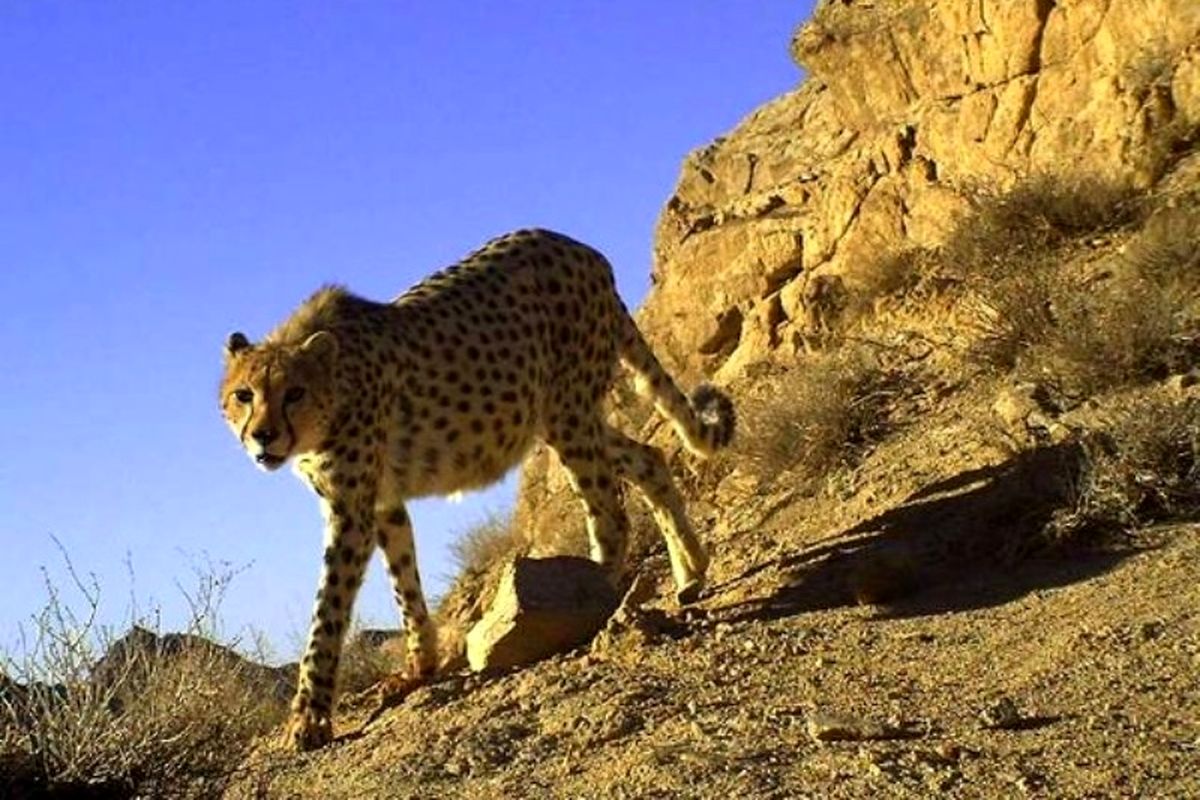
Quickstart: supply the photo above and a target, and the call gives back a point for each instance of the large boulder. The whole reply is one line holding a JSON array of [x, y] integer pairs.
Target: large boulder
[[542, 606]]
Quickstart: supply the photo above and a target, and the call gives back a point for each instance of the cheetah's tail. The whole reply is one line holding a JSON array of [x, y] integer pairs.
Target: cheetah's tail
[[705, 421]]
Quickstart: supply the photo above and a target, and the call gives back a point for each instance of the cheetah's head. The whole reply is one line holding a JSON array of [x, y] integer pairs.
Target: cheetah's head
[[278, 397]]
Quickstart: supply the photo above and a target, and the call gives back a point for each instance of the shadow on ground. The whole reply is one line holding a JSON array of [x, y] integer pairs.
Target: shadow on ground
[[960, 544]]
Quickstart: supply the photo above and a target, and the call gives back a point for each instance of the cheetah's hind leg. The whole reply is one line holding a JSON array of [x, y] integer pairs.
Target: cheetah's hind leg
[[645, 467], [581, 450]]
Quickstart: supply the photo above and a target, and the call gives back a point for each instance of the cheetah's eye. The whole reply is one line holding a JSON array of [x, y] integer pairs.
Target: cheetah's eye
[[243, 395], [293, 394]]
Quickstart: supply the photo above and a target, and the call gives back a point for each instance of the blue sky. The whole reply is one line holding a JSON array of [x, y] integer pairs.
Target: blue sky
[[172, 171]]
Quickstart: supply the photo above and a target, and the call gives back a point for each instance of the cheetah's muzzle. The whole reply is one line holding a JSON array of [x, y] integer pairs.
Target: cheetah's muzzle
[[268, 461]]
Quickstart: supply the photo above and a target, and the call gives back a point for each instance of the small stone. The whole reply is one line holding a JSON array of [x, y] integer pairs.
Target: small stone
[[1001, 715], [949, 752], [1014, 404], [883, 575], [1150, 630], [1180, 383], [1030, 781], [828, 727], [615, 725]]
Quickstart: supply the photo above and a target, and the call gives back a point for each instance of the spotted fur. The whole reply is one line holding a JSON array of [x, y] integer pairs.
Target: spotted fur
[[444, 389]]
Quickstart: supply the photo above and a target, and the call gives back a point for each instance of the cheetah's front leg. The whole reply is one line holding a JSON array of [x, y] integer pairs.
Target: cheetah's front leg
[[349, 536], [396, 540]]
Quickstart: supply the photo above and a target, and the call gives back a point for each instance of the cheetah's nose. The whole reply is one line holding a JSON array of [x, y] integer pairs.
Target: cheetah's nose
[[264, 436]]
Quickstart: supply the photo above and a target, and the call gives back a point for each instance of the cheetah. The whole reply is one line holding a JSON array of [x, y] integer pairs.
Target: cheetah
[[442, 390]]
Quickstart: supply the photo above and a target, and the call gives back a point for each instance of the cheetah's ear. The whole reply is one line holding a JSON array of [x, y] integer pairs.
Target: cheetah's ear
[[236, 343], [322, 345]]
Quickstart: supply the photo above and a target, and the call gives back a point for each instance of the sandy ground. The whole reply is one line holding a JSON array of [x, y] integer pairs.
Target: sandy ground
[[1060, 677]]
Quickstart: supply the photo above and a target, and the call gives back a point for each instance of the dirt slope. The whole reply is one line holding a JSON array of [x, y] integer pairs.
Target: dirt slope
[[1099, 654]]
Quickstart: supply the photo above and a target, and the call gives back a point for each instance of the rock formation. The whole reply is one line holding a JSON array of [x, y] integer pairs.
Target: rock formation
[[906, 109]]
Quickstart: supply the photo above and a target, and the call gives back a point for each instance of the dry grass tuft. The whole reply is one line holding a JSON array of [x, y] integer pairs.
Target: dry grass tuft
[[1122, 334], [1009, 232], [1148, 78], [1144, 467], [1120, 324], [896, 274], [482, 546], [1011, 315], [1139, 324], [1007, 253], [369, 656], [1168, 249], [478, 554], [825, 414], [158, 716]]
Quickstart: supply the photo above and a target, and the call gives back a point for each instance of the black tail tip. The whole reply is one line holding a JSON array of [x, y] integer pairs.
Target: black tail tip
[[716, 413]]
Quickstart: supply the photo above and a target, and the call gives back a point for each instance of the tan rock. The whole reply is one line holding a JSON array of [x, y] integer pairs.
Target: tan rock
[[1015, 404], [826, 726], [1183, 383], [542, 606]]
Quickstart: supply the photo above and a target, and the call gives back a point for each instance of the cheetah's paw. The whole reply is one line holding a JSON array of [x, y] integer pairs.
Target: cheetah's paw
[[690, 592], [308, 730]]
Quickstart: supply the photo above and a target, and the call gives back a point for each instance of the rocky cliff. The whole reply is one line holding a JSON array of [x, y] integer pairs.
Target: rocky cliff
[[906, 107]]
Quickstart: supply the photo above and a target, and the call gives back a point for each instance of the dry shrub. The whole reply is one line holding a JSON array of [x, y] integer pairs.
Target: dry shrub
[[1006, 233], [1141, 468], [893, 281], [369, 656], [1011, 315], [1008, 251], [1168, 249], [1134, 322], [1127, 333], [1141, 324], [483, 545], [1149, 71], [822, 415], [895, 275], [168, 716], [1149, 78]]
